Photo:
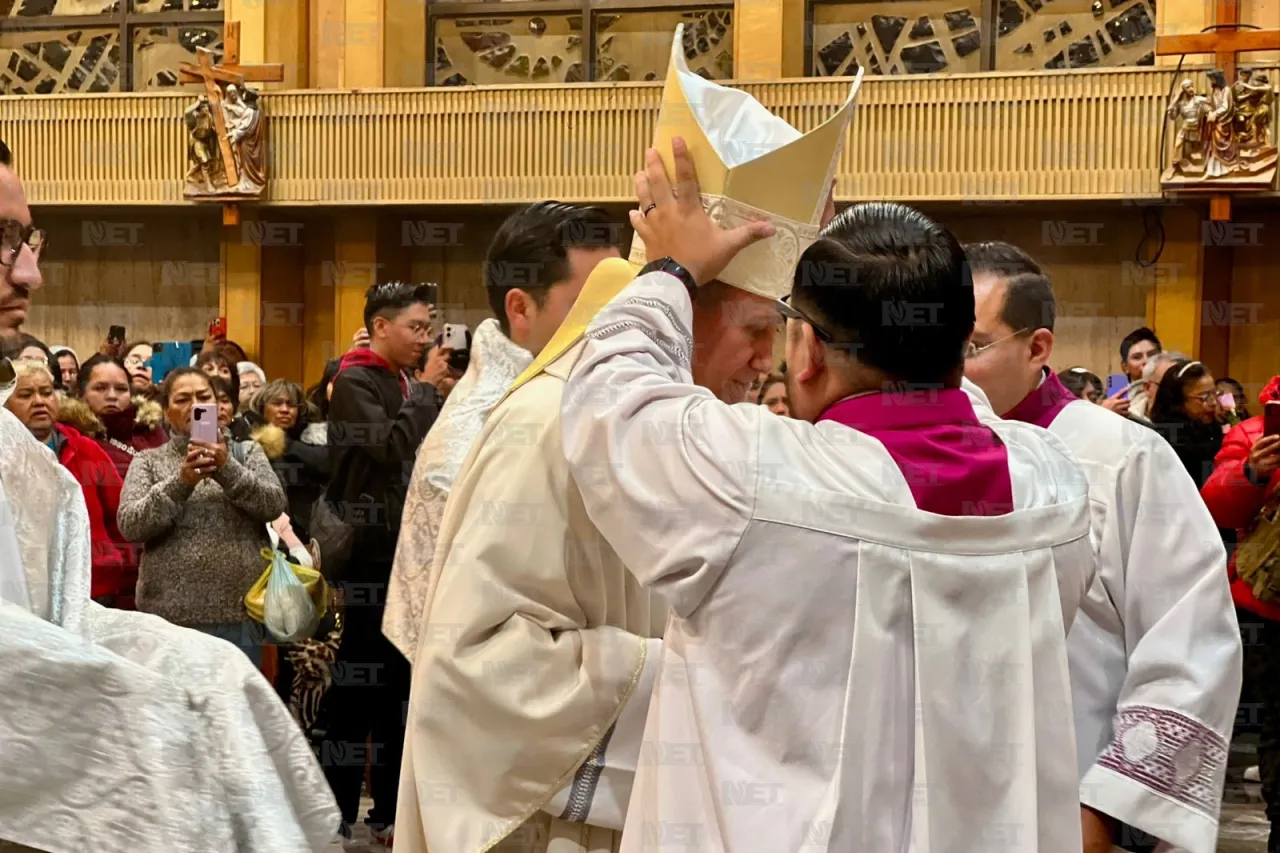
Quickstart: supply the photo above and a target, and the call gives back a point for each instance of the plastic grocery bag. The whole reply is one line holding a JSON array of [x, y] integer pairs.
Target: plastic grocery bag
[[288, 609]]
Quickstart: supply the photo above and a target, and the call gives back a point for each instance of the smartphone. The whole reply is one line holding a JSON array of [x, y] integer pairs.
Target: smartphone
[[455, 336], [218, 327], [1271, 418], [204, 422], [116, 334], [1116, 383]]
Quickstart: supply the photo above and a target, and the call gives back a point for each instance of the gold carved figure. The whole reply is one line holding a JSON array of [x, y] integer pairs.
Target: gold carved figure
[[1223, 140]]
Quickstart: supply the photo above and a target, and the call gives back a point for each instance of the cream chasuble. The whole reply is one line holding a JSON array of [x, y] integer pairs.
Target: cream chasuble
[[120, 732], [496, 363], [536, 655], [1155, 652], [843, 672]]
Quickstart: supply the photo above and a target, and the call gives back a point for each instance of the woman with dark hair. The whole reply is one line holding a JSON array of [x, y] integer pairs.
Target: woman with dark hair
[[30, 348], [137, 361], [318, 395], [108, 411], [216, 362], [1185, 411], [201, 515], [67, 368], [773, 395], [1081, 382], [296, 442], [1231, 398]]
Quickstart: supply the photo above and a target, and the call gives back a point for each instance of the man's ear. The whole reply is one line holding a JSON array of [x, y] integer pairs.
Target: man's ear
[[516, 303], [813, 353], [1041, 347]]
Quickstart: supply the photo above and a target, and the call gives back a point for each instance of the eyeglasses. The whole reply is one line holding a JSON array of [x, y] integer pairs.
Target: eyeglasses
[[786, 309], [972, 350], [14, 235], [416, 328], [1208, 398]]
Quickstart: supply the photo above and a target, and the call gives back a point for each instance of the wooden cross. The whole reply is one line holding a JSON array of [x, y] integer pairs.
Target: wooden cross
[[230, 71], [1224, 44]]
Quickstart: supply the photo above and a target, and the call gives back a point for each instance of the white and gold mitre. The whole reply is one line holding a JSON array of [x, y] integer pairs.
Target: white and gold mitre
[[751, 165]]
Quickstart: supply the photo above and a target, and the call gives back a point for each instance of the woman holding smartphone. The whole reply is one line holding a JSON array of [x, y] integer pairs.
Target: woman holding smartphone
[[200, 514]]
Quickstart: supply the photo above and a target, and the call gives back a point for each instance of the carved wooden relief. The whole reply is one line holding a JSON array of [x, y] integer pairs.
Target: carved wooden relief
[[38, 8], [1035, 34], [897, 37], [158, 51], [637, 45], [43, 62], [144, 7], [502, 51]]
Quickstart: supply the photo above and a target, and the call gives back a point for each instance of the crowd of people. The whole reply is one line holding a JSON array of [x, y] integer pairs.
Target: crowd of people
[[620, 580]]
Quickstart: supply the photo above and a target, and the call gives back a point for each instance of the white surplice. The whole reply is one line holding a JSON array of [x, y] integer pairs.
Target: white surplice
[[843, 672], [1155, 653], [120, 732], [496, 363]]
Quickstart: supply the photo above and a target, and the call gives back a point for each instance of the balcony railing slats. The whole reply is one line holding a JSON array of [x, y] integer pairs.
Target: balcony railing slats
[[991, 137]]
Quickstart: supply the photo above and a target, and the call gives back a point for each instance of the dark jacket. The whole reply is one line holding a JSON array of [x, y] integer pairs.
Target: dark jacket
[[300, 458], [1235, 497], [374, 433]]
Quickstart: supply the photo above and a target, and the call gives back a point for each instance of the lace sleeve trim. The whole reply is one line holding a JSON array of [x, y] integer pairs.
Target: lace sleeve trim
[[1169, 753]]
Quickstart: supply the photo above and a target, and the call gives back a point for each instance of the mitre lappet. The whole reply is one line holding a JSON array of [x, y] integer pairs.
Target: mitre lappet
[[751, 165]]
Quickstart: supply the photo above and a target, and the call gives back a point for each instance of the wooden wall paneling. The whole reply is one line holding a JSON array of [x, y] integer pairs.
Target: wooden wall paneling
[[354, 269], [241, 294], [406, 44], [326, 37], [155, 273], [290, 24], [319, 309], [1177, 294], [283, 311], [1255, 302]]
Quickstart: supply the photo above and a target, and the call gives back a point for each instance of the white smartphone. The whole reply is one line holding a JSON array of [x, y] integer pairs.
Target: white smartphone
[[455, 337], [204, 422]]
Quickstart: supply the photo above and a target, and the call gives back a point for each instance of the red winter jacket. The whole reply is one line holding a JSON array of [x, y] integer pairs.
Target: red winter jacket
[[140, 429], [101, 484], [1234, 501]]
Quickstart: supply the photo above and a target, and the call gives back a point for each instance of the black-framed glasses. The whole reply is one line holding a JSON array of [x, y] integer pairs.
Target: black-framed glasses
[[793, 313], [14, 235]]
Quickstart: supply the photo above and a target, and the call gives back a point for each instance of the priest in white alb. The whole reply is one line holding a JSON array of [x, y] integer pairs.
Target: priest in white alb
[[538, 650], [1155, 653], [867, 649], [554, 246], [120, 731]]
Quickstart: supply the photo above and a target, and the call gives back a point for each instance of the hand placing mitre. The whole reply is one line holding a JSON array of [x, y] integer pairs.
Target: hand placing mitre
[[673, 224]]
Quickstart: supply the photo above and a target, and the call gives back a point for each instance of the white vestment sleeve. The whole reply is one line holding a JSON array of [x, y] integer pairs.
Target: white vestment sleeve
[[667, 472], [1163, 770], [601, 788]]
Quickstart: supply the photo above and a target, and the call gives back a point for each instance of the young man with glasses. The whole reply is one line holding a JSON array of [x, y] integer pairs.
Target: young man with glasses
[[378, 417], [1155, 653]]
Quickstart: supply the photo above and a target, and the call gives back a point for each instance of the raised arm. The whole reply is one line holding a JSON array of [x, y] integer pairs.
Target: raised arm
[[1184, 656], [356, 417], [150, 502], [667, 472]]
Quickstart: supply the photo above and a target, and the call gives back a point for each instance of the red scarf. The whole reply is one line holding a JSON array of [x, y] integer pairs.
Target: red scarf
[[365, 357]]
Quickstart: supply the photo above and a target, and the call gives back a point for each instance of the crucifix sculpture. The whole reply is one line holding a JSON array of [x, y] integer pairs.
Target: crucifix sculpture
[[1220, 144], [226, 125]]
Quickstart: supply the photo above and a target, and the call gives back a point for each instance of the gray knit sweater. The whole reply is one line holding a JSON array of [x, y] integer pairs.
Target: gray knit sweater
[[202, 544]]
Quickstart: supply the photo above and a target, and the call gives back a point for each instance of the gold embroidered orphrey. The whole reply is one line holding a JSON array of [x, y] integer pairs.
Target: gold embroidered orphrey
[[1223, 139], [226, 128]]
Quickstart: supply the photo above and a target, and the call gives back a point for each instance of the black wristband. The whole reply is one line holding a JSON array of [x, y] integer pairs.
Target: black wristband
[[667, 265]]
